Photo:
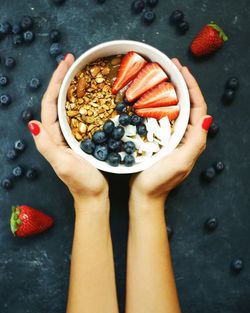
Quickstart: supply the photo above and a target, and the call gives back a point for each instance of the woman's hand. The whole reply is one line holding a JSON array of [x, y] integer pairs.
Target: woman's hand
[[158, 180], [83, 180]]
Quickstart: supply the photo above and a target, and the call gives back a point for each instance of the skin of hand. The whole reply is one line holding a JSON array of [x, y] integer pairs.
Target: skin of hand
[[69, 167]]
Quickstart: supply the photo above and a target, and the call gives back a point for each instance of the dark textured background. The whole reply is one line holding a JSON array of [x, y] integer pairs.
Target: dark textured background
[[34, 272]]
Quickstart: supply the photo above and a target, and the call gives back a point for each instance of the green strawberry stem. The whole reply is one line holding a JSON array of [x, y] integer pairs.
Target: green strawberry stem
[[15, 221], [222, 35]]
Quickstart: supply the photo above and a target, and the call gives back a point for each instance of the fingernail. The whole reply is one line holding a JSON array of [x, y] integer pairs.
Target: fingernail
[[34, 128], [65, 57], [207, 122]]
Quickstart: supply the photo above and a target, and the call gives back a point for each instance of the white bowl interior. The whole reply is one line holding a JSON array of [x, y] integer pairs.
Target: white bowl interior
[[122, 47]]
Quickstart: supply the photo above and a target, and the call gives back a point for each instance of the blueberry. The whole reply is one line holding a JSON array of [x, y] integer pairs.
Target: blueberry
[[59, 58], [26, 23], [27, 115], [114, 145], [141, 130], [176, 16], [127, 103], [213, 129], [55, 49], [129, 160], [34, 83], [17, 39], [232, 83], [124, 119], [101, 152], [54, 35], [219, 167], [58, 2], [31, 174], [11, 154], [28, 36], [170, 232], [114, 159], [16, 29], [3, 80], [121, 107], [118, 132], [18, 171], [9, 62], [108, 127], [237, 265], [152, 3], [136, 120], [209, 174], [7, 183], [5, 99], [211, 223], [5, 28], [129, 147], [137, 6], [88, 146], [99, 137], [19, 145], [228, 95], [148, 17], [183, 27]]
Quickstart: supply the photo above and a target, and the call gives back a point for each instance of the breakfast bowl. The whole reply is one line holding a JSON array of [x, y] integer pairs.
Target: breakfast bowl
[[117, 81]]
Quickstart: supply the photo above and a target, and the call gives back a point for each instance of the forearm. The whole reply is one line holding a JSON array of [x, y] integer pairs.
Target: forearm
[[92, 280], [150, 284]]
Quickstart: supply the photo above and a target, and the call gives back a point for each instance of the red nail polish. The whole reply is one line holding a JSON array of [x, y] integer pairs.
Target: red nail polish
[[34, 128], [207, 122], [66, 56]]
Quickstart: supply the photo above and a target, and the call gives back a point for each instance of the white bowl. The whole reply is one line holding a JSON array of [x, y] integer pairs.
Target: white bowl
[[122, 47]]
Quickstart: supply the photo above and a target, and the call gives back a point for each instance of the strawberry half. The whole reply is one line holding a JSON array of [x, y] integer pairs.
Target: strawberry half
[[161, 95], [131, 64], [26, 221], [151, 75], [209, 39], [172, 112]]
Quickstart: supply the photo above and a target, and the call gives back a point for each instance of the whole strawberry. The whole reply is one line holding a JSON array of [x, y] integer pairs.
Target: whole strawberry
[[209, 39], [26, 221]]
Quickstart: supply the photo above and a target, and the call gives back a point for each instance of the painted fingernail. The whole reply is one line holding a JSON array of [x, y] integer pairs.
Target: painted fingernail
[[207, 122], [34, 128], [65, 57]]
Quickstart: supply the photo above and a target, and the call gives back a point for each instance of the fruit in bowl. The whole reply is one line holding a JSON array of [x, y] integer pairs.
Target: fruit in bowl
[[122, 109]]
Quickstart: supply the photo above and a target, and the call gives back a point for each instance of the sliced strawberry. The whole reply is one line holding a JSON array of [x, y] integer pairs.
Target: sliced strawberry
[[171, 112], [150, 75], [161, 95], [131, 64]]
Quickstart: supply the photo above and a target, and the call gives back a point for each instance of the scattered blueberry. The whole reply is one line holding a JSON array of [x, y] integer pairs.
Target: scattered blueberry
[[54, 35], [136, 120], [28, 36], [108, 127], [228, 95], [114, 145], [183, 27], [34, 83], [114, 159], [18, 171], [31, 174], [148, 17], [11, 154], [9, 62], [55, 49], [129, 147], [170, 232], [124, 119], [99, 137], [129, 160], [232, 83], [101, 152], [213, 129], [5, 28], [17, 39], [219, 167], [118, 132], [3, 80], [5, 100], [7, 183], [209, 174], [152, 3], [138, 6], [88, 146], [176, 16], [16, 29], [27, 115], [19, 145], [59, 58], [211, 223], [26, 23], [141, 130], [121, 107], [237, 265]]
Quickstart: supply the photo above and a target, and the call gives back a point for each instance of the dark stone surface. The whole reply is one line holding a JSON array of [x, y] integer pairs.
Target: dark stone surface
[[34, 272]]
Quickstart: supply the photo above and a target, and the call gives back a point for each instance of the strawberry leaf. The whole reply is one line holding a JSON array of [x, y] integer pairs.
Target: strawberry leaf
[[222, 35]]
